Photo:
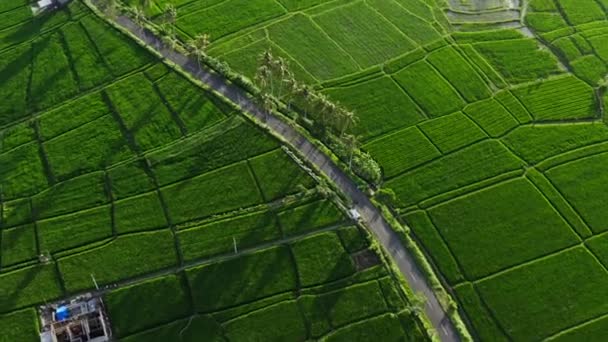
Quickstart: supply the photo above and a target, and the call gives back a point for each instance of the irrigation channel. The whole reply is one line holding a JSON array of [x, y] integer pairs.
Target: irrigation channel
[[370, 215]]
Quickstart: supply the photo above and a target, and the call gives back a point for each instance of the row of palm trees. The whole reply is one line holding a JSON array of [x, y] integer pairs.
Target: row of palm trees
[[276, 80]]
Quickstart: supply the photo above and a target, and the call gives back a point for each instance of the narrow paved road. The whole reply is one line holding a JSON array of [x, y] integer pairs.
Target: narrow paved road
[[369, 213]]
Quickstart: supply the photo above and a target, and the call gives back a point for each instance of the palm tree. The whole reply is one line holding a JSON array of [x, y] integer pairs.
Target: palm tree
[[351, 142], [267, 104], [145, 4], [202, 41], [139, 17], [348, 119], [170, 16]]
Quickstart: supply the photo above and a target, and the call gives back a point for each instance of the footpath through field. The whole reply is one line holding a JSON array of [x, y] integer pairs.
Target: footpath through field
[[369, 213]]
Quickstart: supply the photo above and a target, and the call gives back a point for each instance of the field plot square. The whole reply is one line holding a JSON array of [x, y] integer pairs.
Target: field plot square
[[380, 105], [598, 245], [402, 150], [491, 116], [580, 12], [451, 132], [142, 212], [52, 81], [480, 161], [219, 237], [193, 329], [212, 193], [310, 46], [321, 259], [588, 332], [430, 91], [73, 230], [143, 112], [414, 27], [15, 69], [242, 279], [20, 325], [288, 324], [124, 257], [189, 102], [228, 16], [501, 227], [28, 286], [275, 184], [22, 172], [16, 212], [309, 217], [90, 147], [129, 179], [17, 135], [540, 299], [364, 34], [558, 98], [18, 245], [162, 299], [387, 326], [459, 73], [518, 60], [584, 183], [78, 193]]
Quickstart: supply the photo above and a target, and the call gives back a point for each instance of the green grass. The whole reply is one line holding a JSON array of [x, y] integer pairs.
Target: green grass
[[568, 48], [52, 81], [321, 259], [217, 237], [120, 54], [459, 73], [287, 324], [402, 150], [73, 230], [19, 326], [215, 192], [597, 246], [481, 319], [435, 95], [229, 142], [475, 163], [18, 245], [100, 144], [545, 22], [492, 117], [16, 136], [78, 193], [500, 227], [273, 184], [28, 286], [185, 330], [129, 179], [142, 212], [189, 102], [587, 332], [16, 212], [536, 143], [440, 132], [242, 279], [163, 299], [387, 326], [432, 241], [225, 19], [141, 109], [309, 217], [125, 257], [540, 299], [512, 104], [364, 34], [414, 27], [580, 12], [15, 70], [590, 69], [89, 65], [558, 99], [518, 60], [23, 174], [379, 104], [305, 42], [353, 239], [583, 184], [72, 115]]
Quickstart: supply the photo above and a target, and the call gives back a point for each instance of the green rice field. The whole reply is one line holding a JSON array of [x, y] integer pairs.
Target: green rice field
[[117, 171]]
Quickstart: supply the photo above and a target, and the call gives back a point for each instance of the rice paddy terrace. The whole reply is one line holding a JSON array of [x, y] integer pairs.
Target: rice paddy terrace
[[116, 171], [488, 121]]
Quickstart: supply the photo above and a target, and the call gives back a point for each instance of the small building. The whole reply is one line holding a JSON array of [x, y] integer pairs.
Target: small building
[[45, 5], [81, 319]]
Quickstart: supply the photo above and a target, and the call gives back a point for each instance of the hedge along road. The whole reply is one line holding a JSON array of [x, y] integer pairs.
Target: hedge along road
[[370, 215]]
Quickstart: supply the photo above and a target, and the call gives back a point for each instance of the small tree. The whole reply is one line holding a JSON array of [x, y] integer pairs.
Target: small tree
[[352, 142]]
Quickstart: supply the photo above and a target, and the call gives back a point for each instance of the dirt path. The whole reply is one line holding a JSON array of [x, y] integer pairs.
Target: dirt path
[[369, 213]]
